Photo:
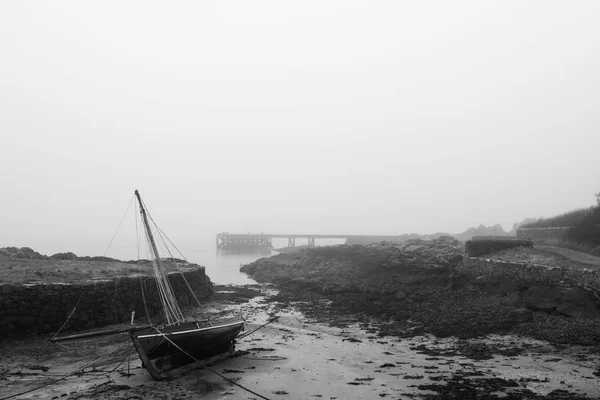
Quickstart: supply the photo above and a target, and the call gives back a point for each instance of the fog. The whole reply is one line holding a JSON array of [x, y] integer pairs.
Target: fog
[[342, 117]]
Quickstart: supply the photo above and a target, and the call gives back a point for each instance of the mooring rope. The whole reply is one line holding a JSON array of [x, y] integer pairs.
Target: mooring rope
[[262, 326], [74, 372], [208, 368]]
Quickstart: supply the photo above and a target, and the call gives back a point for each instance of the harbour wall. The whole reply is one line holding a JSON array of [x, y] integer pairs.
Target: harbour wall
[[477, 247], [580, 277], [44, 308]]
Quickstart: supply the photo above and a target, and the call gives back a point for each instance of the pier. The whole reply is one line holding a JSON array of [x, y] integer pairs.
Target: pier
[[264, 241]]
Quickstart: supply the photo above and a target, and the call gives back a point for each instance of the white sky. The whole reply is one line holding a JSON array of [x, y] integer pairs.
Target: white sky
[[313, 116]]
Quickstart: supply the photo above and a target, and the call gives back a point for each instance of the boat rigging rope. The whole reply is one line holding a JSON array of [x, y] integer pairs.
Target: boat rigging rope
[[118, 227], [74, 372], [208, 368], [69, 317], [114, 299], [143, 284], [162, 235], [167, 291], [172, 244], [138, 235], [171, 308]]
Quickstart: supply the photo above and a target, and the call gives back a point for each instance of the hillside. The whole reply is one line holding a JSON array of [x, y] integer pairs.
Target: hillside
[[567, 219], [584, 232]]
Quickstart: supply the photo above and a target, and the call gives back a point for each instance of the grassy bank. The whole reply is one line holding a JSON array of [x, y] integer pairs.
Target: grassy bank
[[584, 232], [32, 271]]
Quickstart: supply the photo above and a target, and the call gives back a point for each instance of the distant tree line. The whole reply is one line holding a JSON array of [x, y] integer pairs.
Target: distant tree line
[[584, 224]]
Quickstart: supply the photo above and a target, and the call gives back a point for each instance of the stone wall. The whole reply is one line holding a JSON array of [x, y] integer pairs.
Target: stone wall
[[43, 308], [542, 234], [481, 245], [581, 277]]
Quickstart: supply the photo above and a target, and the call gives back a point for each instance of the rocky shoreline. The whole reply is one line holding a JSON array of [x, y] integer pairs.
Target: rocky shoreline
[[421, 287], [409, 321]]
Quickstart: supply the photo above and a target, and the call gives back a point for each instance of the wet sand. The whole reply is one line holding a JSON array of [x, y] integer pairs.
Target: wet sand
[[296, 358]]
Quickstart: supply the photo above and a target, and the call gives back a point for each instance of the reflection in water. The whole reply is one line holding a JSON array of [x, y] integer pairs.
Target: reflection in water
[[226, 269]]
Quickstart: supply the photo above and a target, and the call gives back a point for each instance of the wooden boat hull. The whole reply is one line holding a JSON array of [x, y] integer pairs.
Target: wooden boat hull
[[167, 348]]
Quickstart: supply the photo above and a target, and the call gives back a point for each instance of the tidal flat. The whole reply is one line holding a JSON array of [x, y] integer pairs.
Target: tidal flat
[[298, 356]]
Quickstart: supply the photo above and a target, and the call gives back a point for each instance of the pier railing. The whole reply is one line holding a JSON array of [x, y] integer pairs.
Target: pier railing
[[262, 241]]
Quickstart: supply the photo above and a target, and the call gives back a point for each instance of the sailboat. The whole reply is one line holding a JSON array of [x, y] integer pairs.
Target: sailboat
[[179, 342]]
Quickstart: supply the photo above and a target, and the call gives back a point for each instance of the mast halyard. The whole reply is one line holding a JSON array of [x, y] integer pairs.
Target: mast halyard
[[167, 297]]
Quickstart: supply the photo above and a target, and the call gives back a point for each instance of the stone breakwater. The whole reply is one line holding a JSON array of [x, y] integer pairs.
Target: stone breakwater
[[385, 268], [404, 275], [477, 247], [43, 308], [572, 292], [512, 271]]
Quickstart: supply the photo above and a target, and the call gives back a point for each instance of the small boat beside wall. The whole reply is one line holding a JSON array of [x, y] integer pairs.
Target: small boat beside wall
[[169, 348], [179, 342]]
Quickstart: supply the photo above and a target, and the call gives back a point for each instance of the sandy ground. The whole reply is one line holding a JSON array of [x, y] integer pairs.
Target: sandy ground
[[295, 358], [578, 256], [552, 256]]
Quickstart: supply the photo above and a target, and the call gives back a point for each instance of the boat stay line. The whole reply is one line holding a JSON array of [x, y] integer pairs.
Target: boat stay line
[[191, 330], [209, 368]]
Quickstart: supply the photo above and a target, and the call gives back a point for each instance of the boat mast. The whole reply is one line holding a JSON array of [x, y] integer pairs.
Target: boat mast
[[147, 226], [167, 297]]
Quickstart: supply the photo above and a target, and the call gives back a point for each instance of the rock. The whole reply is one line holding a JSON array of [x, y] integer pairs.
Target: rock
[[572, 301], [373, 289], [520, 315], [400, 294], [300, 281], [328, 287], [541, 298], [505, 286], [511, 298], [541, 315], [469, 287], [574, 311], [544, 304], [577, 303], [64, 256], [23, 253]]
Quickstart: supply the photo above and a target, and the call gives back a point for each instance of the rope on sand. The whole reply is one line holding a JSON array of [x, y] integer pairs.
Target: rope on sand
[[75, 372], [208, 368], [262, 326], [80, 370]]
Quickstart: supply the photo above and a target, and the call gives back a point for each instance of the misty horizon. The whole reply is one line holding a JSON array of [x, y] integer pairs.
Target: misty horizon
[[332, 118]]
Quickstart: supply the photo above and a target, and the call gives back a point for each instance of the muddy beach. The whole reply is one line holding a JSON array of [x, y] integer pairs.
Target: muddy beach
[[305, 354]]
